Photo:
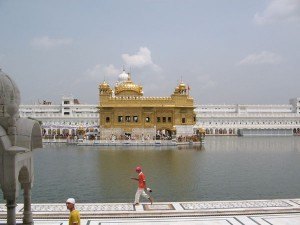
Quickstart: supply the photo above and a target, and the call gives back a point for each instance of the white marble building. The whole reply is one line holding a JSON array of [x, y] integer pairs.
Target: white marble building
[[65, 118], [235, 119]]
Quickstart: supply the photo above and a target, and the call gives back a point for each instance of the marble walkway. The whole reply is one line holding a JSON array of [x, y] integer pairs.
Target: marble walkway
[[252, 212]]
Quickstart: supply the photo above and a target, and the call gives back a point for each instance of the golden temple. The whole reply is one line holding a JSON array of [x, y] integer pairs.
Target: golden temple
[[125, 112]]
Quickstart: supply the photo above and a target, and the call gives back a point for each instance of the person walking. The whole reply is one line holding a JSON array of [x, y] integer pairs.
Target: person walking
[[142, 187], [74, 218]]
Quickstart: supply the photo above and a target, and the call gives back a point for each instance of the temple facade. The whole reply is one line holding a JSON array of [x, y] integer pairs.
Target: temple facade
[[124, 112]]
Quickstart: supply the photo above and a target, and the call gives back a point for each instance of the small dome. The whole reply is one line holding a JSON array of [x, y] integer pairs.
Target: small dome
[[9, 94], [182, 86], [104, 85], [123, 76]]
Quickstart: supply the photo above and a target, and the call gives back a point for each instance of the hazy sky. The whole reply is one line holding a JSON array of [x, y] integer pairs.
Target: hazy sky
[[232, 51]]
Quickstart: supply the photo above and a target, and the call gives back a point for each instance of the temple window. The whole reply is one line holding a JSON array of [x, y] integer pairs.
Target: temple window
[[158, 119], [127, 119], [120, 119], [183, 120], [135, 119], [169, 119], [107, 119], [147, 119], [164, 119]]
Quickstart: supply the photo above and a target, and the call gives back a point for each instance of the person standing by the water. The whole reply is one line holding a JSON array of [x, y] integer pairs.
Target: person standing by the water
[[74, 218], [142, 187]]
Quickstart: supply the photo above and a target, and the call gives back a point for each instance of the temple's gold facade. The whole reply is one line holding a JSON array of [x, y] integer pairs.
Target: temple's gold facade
[[125, 111]]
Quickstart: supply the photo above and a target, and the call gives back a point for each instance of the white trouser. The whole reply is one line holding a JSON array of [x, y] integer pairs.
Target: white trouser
[[139, 192]]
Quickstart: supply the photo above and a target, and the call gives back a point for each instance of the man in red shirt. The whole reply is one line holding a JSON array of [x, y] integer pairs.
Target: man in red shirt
[[142, 188]]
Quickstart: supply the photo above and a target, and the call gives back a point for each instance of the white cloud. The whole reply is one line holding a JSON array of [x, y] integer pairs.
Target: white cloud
[[206, 82], [95, 71], [141, 59], [279, 10], [99, 71], [111, 70], [261, 58], [47, 42]]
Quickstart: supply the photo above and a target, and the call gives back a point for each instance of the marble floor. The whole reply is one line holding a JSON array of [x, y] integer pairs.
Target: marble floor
[[252, 212], [274, 219]]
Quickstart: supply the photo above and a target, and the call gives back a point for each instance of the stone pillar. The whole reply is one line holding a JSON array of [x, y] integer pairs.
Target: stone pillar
[[27, 214], [16, 157], [11, 212]]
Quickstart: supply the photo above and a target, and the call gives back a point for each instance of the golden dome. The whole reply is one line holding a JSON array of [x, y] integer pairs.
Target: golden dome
[[128, 88], [180, 89], [104, 88], [104, 85], [182, 86]]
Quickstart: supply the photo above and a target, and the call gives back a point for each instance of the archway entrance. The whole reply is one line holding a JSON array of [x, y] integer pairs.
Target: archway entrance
[[127, 136], [164, 134]]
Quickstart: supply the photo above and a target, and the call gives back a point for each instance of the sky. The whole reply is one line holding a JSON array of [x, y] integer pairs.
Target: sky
[[227, 52]]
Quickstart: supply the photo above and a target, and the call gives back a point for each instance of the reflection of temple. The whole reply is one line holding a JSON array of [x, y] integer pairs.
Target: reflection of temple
[[125, 112]]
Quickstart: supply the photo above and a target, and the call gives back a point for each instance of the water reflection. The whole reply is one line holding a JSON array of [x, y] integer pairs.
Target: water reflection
[[197, 147], [225, 168]]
